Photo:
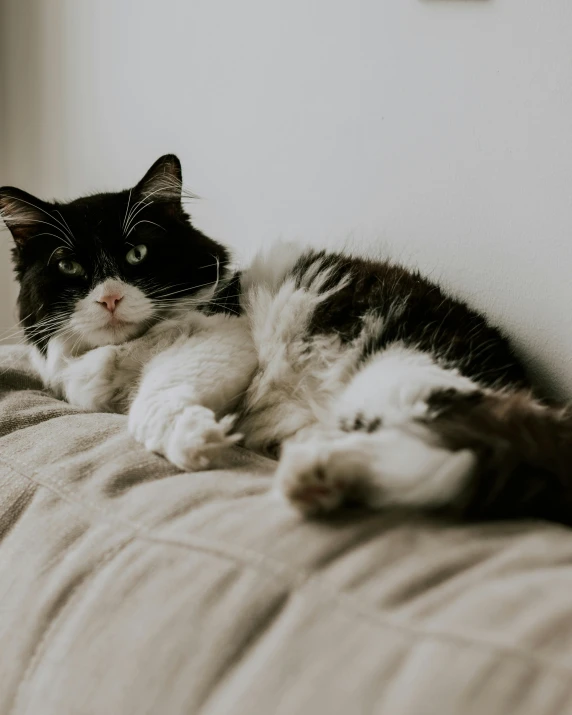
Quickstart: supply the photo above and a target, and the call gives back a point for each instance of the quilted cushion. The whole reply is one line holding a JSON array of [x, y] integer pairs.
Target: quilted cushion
[[127, 587]]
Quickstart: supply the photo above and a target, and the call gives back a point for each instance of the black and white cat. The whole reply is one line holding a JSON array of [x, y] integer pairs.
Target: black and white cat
[[369, 382]]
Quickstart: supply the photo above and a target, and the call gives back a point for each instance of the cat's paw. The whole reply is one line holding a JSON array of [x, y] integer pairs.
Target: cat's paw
[[389, 468], [320, 475], [89, 381], [197, 437]]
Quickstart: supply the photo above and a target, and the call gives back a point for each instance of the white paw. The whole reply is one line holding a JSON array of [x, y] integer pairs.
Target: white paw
[[88, 381], [320, 475], [197, 437], [391, 467]]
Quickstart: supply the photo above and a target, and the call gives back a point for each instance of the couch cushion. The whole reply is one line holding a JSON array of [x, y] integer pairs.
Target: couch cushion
[[129, 587]]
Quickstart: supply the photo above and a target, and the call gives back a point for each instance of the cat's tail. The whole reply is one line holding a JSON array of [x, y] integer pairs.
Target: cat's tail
[[523, 449]]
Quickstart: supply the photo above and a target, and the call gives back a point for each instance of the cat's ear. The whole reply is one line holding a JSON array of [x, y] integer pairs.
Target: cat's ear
[[163, 183], [22, 213]]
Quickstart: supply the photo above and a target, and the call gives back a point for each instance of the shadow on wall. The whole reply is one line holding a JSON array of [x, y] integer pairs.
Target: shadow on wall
[[23, 101]]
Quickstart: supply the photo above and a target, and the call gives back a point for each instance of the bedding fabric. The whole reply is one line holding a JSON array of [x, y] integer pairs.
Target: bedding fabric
[[127, 587]]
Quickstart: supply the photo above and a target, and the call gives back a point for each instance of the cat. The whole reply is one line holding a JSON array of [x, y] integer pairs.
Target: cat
[[368, 382]]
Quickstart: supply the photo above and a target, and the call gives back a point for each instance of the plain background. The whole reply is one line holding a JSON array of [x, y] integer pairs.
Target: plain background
[[438, 132]]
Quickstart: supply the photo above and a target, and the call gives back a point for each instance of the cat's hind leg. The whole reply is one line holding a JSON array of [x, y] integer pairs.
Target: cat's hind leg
[[424, 437], [391, 467], [378, 450]]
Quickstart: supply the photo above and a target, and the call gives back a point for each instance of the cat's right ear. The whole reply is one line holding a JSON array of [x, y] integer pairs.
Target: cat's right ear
[[21, 213]]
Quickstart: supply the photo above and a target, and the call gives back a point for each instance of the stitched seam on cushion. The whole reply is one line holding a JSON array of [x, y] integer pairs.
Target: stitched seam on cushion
[[239, 554], [19, 428], [346, 602], [16, 428], [350, 603], [42, 644]]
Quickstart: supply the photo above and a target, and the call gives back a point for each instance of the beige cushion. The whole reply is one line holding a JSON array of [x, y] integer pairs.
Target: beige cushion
[[129, 588]]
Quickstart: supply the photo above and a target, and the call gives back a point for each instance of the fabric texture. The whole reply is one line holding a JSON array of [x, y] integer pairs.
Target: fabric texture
[[128, 587]]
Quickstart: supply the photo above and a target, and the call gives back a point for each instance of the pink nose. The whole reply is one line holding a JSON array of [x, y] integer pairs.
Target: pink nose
[[110, 301]]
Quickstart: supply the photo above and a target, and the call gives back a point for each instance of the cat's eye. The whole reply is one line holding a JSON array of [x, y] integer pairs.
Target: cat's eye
[[71, 268], [136, 254]]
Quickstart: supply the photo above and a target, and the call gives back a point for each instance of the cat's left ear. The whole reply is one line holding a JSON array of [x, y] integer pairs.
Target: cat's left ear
[[163, 183], [22, 213]]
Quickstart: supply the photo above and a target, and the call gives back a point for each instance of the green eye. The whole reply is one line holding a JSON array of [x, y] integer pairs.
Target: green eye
[[71, 268], [136, 254]]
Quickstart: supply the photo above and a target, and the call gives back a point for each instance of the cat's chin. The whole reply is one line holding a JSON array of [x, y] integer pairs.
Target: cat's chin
[[113, 334]]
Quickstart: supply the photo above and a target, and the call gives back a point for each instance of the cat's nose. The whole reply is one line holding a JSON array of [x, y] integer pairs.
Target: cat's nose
[[110, 301]]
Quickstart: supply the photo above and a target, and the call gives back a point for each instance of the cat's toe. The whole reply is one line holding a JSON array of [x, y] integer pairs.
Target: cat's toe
[[305, 478], [197, 438]]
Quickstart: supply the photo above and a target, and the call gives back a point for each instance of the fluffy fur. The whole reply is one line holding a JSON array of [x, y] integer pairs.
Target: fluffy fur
[[367, 381]]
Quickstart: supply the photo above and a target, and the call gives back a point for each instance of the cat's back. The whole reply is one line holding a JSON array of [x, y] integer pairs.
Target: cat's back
[[300, 296]]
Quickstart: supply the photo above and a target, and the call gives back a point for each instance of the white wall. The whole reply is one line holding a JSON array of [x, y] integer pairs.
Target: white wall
[[439, 131]]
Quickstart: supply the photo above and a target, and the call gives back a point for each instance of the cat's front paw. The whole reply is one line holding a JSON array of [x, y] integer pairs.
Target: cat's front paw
[[90, 381], [197, 437]]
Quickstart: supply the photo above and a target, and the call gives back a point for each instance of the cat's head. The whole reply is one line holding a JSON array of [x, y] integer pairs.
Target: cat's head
[[104, 268]]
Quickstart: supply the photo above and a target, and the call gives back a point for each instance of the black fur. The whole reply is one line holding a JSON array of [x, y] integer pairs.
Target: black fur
[[524, 451], [411, 310]]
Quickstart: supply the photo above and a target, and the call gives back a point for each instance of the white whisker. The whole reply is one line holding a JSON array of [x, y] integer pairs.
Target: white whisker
[[183, 290], [168, 287], [39, 208], [66, 245], [135, 211], [126, 211], [66, 223], [144, 221], [59, 248], [61, 236]]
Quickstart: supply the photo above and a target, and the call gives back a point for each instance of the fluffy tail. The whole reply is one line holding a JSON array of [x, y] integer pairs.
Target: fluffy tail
[[524, 451]]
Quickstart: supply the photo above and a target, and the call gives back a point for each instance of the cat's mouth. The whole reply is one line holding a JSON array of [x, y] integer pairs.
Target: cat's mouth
[[121, 329], [111, 323], [115, 322], [114, 331]]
